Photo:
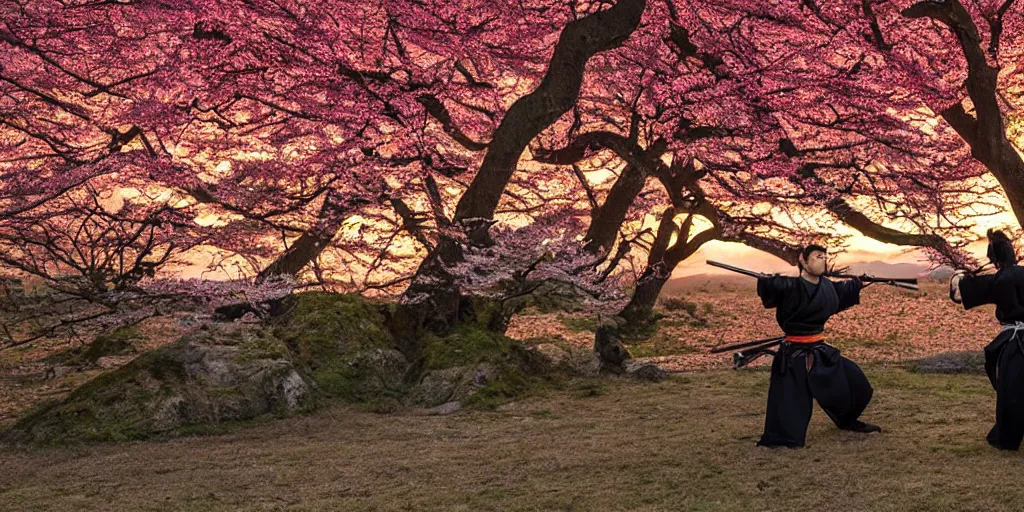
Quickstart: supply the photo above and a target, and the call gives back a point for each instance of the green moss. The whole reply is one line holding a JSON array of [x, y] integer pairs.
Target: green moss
[[467, 344], [470, 344], [317, 322], [512, 381], [93, 412], [256, 345], [487, 313], [120, 341], [324, 332], [576, 323]]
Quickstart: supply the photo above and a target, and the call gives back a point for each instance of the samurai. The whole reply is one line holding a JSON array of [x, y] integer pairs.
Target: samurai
[[805, 368], [1004, 356]]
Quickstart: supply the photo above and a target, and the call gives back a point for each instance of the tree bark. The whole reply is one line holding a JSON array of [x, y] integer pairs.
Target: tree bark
[[557, 93], [432, 300], [661, 262], [985, 134], [308, 247]]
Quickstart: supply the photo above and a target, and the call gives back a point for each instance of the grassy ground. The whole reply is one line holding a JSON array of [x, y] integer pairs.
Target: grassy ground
[[684, 444]]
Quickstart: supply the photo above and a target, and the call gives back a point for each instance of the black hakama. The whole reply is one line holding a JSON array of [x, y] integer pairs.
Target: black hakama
[[1004, 356], [804, 372]]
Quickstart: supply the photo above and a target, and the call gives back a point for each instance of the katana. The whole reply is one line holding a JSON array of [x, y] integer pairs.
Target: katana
[[746, 344], [908, 283], [739, 270]]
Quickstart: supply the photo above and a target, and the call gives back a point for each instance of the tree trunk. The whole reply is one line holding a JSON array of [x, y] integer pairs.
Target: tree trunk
[[308, 247], [985, 134], [432, 300], [638, 311], [605, 226], [557, 93]]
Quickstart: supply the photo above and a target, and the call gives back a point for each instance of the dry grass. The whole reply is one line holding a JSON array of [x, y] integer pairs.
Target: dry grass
[[684, 444]]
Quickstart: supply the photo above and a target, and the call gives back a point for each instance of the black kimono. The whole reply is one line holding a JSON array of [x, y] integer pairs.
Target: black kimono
[[1004, 357], [839, 385]]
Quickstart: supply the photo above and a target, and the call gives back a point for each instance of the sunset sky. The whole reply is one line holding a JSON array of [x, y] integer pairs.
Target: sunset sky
[[861, 250]]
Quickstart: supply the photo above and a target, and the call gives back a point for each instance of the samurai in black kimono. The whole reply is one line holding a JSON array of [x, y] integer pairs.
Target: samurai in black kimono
[[805, 367], [1004, 357]]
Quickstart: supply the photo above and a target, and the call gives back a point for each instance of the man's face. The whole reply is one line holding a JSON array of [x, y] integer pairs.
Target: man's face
[[815, 263]]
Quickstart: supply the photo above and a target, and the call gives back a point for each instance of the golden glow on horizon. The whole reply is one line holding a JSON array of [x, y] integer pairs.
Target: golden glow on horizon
[[599, 174]]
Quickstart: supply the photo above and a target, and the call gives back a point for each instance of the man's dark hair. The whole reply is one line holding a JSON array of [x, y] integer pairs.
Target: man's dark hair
[[1000, 249], [804, 254]]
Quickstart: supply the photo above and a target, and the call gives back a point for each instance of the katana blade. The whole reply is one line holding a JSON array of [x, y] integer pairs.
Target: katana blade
[[743, 271]]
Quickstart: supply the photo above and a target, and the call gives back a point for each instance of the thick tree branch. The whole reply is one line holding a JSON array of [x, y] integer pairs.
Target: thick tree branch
[[556, 94], [989, 143], [438, 111]]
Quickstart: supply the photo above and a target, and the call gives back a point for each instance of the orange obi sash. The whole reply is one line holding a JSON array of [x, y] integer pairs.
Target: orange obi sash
[[810, 338]]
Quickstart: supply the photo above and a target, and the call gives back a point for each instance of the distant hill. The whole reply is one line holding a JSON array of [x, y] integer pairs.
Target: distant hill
[[714, 281]]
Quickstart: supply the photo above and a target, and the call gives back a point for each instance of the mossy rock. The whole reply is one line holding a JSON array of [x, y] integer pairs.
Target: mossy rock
[[117, 342], [341, 341], [644, 370], [509, 382], [227, 373], [208, 377], [467, 344], [480, 367], [451, 384]]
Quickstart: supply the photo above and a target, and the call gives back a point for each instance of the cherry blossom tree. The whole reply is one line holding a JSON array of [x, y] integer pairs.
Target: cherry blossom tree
[[750, 144], [481, 148]]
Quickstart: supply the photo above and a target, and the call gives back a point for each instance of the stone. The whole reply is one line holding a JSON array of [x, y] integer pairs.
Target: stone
[[447, 408], [644, 370], [438, 387], [205, 378], [550, 355]]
